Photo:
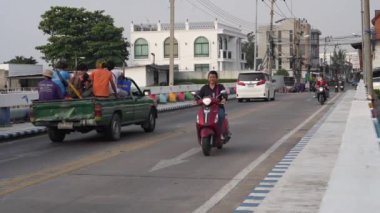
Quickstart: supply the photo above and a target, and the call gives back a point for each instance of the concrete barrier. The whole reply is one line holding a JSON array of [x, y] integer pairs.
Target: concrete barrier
[[23, 99]]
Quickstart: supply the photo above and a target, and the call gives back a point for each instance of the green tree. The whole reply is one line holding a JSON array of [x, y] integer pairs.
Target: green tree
[[338, 60], [21, 60], [283, 72], [82, 36], [249, 49]]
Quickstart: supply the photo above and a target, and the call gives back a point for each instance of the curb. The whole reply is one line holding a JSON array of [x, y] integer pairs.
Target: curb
[[9, 135]]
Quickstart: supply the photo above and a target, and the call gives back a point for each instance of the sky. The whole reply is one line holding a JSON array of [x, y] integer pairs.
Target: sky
[[19, 19]]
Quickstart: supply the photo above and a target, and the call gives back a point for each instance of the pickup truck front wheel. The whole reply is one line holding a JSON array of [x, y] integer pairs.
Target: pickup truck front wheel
[[150, 124], [56, 135], [114, 128]]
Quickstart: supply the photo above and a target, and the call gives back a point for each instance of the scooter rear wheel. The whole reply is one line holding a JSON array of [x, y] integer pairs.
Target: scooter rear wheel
[[206, 146]]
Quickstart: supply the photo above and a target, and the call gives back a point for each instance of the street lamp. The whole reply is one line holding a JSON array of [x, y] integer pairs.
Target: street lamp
[[154, 57]]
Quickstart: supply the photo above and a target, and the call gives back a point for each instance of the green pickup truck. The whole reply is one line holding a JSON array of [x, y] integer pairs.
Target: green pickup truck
[[105, 115]]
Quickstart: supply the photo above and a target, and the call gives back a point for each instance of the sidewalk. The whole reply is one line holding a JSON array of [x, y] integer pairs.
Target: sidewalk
[[334, 168]]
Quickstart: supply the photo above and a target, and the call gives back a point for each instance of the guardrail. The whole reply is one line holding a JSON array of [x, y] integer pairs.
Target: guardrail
[[15, 105]]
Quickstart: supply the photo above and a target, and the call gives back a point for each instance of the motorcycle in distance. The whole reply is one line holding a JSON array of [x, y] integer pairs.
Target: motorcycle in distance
[[336, 87], [208, 131], [321, 95], [341, 85]]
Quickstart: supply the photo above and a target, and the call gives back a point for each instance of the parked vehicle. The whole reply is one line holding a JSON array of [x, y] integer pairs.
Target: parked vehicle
[[208, 131], [376, 78], [321, 95], [105, 115], [255, 85]]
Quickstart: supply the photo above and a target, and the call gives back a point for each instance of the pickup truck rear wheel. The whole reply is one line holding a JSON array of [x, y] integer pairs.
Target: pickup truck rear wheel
[[56, 135], [150, 124], [114, 128]]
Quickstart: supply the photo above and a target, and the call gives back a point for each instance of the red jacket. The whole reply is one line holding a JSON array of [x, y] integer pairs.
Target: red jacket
[[321, 83]]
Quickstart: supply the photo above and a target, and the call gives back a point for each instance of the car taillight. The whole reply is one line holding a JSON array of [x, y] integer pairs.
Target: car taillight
[[260, 82], [240, 83], [98, 110]]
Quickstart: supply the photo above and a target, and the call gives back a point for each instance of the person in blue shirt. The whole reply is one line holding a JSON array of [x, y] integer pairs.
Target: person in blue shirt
[[62, 81], [47, 89], [124, 85]]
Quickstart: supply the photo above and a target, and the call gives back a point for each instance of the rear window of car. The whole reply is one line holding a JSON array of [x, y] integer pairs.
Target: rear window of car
[[251, 76], [376, 73]]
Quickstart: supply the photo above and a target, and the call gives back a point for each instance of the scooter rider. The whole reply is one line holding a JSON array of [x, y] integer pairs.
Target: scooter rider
[[213, 89], [321, 82]]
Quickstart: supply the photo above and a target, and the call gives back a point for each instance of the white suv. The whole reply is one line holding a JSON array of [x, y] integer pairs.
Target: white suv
[[255, 85]]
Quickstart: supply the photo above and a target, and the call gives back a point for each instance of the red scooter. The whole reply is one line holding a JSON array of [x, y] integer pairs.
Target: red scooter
[[208, 131]]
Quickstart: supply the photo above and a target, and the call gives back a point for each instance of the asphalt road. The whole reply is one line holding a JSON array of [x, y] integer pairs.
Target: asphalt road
[[163, 171]]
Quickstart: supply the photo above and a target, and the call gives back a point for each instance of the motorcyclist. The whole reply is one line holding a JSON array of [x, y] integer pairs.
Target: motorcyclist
[[321, 82], [213, 89]]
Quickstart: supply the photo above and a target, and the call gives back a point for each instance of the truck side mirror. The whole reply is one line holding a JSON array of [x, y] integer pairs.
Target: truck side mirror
[[146, 92]]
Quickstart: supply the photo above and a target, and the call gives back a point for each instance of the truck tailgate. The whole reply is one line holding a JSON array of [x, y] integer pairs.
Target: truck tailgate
[[63, 110]]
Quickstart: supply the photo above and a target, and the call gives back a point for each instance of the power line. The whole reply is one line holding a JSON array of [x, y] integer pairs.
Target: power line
[[273, 10], [224, 15], [290, 10], [279, 9], [208, 11], [210, 3]]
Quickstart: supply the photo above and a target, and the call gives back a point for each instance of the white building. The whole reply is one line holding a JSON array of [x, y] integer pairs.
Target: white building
[[20, 75], [198, 46]]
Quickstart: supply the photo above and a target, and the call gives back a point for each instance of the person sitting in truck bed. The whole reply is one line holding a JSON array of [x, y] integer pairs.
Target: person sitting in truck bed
[[101, 78], [116, 74], [80, 81], [47, 89], [61, 76]]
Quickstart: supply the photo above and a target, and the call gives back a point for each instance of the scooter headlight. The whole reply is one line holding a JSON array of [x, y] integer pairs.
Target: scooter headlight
[[320, 89], [197, 119], [206, 101]]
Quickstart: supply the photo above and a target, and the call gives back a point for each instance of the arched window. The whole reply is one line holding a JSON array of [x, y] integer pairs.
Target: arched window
[[167, 48], [201, 47], [141, 48]]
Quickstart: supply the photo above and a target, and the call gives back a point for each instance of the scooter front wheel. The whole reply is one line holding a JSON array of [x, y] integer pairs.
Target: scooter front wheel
[[206, 146], [321, 99]]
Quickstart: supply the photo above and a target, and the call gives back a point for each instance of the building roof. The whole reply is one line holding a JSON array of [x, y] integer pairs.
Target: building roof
[[15, 70], [357, 45], [377, 15]]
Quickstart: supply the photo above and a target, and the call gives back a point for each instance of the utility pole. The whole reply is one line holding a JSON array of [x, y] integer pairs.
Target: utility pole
[[296, 47], [270, 62], [367, 47], [362, 56], [254, 57], [171, 65], [324, 57]]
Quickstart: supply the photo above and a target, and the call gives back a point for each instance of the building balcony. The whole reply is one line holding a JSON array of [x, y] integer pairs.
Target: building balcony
[[225, 55]]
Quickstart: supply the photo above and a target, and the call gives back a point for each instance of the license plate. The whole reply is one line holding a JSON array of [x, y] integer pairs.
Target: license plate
[[251, 85], [65, 125]]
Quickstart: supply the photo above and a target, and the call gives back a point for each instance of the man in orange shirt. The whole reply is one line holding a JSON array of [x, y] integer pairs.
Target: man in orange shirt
[[101, 79]]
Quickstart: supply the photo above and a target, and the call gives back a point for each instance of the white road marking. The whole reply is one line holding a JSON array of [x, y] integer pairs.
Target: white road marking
[[175, 161], [218, 196]]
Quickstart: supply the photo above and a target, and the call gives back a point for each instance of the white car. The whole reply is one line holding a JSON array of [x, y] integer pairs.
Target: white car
[[255, 85]]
